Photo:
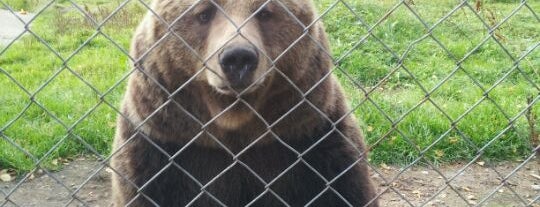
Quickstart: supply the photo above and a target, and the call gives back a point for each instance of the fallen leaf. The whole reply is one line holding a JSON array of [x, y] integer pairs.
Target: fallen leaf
[[31, 176], [536, 187], [478, 5], [384, 166], [417, 193], [439, 153], [369, 128], [5, 176], [453, 140]]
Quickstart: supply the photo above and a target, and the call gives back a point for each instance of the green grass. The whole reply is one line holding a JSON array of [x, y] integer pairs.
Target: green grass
[[394, 95]]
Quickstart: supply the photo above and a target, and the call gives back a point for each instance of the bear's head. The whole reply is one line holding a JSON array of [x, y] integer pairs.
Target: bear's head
[[235, 46], [232, 58]]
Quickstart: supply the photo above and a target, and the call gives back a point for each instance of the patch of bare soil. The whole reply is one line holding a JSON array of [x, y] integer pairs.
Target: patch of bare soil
[[86, 183], [478, 184]]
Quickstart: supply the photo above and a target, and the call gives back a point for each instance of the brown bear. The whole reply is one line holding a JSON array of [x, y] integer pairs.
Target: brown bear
[[233, 103]]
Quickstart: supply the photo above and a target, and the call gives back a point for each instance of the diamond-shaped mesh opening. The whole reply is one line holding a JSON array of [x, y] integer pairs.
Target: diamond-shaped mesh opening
[[487, 71], [445, 94], [429, 71], [13, 105], [14, 154], [367, 71], [456, 94], [529, 62], [431, 13], [47, 189], [518, 42], [95, 142], [399, 29], [63, 35], [483, 112], [16, 63], [459, 30], [429, 179], [51, 98], [38, 124], [93, 73], [86, 183]]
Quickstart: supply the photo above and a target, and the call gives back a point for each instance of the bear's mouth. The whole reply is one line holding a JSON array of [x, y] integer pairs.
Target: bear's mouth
[[225, 90], [236, 90]]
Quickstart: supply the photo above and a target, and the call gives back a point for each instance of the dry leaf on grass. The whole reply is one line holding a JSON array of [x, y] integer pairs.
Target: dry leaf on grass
[[6, 176]]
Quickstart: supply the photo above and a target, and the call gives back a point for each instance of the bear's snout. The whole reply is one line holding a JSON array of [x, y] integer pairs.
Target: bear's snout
[[238, 64]]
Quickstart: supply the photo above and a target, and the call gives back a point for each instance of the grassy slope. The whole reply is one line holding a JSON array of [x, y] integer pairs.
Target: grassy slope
[[102, 65], [426, 66]]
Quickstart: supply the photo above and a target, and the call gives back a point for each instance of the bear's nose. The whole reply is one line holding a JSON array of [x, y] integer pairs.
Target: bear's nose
[[238, 64]]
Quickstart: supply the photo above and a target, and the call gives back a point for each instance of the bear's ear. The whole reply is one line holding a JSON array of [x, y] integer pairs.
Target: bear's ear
[[304, 11], [137, 46], [142, 38], [137, 50]]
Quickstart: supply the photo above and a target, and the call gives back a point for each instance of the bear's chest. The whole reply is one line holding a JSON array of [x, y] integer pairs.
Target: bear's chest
[[209, 177]]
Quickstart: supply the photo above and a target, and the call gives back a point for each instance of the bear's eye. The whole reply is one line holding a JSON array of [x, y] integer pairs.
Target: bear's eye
[[264, 14], [206, 16]]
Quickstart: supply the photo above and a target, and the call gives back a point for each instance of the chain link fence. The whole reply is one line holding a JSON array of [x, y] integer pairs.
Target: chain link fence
[[446, 123]]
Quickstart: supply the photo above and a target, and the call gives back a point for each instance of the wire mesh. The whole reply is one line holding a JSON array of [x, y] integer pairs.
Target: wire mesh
[[392, 182]]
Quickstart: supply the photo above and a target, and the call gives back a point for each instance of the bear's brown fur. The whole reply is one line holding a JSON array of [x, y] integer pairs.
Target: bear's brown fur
[[187, 136]]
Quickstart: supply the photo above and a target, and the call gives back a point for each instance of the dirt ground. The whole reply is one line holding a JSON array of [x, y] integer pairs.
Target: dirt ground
[[421, 186]]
